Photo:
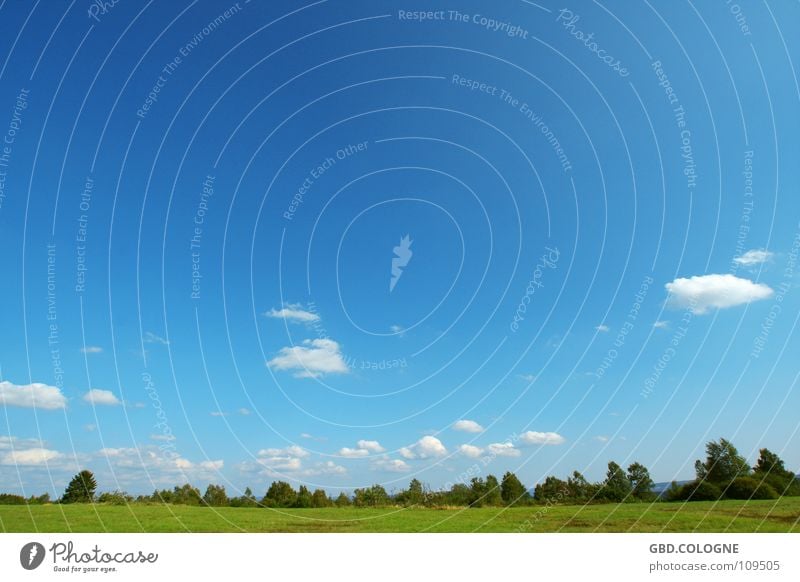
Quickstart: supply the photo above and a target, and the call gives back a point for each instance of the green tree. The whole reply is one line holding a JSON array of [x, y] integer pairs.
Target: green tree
[[320, 499], [493, 493], [303, 498], [723, 464], [280, 494], [641, 483], [81, 489], [512, 490], [343, 500], [552, 490], [579, 489], [616, 487], [374, 496], [186, 495], [215, 496], [771, 469]]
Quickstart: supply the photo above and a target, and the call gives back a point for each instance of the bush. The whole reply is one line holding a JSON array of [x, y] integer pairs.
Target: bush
[[11, 499], [695, 491], [749, 488], [115, 498]]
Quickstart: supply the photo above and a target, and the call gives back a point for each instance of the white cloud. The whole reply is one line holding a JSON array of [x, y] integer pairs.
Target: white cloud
[[325, 468], [504, 450], [32, 396], [661, 324], [29, 457], [754, 257], [471, 451], [292, 451], [353, 453], [293, 312], [163, 437], [397, 330], [541, 438], [391, 465], [526, 377], [151, 338], [601, 438], [218, 413], [92, 350], [602, 328], [426, 447], [701, 293], [313, 359], [371, 446], [97, 397], [363, 449], [467, 426], [244, 411]]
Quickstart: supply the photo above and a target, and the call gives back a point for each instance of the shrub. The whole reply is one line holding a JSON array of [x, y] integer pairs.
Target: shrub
[[115, 498], [695, 491], [749, 488]]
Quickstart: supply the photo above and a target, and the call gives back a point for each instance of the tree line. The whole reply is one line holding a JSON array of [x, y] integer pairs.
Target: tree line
[[725, 474]]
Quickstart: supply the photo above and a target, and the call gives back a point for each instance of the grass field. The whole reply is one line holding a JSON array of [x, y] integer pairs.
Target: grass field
[[725, 516]]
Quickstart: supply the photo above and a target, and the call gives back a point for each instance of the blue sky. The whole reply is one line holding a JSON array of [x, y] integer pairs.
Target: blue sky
[[341, 243]]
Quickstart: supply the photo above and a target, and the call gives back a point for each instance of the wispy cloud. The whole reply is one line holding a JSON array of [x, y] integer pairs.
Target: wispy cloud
[[661, 324], [603, 328], [294, 312], [151, 338], [754, 257], [92, 350]]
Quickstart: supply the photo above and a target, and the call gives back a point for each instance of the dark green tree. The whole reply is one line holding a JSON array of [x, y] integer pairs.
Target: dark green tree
[[641, 483], [579, 489], [186, 495], [494, 495], [215, 496], [512, 490], [552, 490], [280, 494], [303, 498], [374, 496], [343, 500], [616, 487], [320, 499], [771, 469], [723, 464], [81, 489]]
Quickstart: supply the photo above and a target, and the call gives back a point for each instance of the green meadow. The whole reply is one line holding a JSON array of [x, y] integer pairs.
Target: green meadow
[[781, 515]]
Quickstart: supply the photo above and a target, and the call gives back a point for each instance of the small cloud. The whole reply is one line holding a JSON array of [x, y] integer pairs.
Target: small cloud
[[305, 435], [151, 338], [219, 413], [467, 426], [601, 438], [506, 449], [602, 328], [32, 396], [324, 468], [244, 411], [701, 293], [526, 377], [313, 359], [167, 438], [89, 427], [391, 465], [661, 324], [98, 397], [754, 257], [363, 449], [424, 448], [470, 451], [293, 312], [92, 350], [541, 438], [397, 330]]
